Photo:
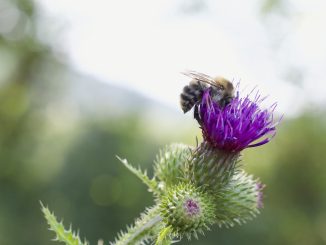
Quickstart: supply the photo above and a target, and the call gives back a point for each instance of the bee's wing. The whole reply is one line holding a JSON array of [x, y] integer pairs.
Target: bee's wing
[[200, 77]]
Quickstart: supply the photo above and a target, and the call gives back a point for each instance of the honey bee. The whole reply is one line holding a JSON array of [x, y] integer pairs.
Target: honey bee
[[221, 91]]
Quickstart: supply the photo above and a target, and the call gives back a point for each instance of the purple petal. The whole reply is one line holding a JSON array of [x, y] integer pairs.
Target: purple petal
[[237, 125]]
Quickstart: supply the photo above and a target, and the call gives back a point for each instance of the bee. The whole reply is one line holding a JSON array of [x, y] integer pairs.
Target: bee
[[221, 91]]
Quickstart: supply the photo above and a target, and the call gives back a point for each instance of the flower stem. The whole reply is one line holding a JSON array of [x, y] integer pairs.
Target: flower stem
[[145, 228]]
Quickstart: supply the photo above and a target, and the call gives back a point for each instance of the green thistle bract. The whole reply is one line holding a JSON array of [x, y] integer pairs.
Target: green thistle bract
[[211, 168]]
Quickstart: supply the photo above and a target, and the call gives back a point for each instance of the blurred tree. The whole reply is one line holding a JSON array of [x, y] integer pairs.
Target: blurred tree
[[49, 153], [20, 120]]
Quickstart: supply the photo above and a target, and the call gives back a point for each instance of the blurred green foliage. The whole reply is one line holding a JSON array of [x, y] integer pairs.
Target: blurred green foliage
[[69, 162]]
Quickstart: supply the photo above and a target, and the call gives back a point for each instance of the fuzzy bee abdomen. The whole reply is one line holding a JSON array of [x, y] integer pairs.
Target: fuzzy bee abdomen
[[191, 94]]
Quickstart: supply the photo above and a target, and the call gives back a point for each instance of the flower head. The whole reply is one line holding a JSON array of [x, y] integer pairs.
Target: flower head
[[191, 207], [236, 126]]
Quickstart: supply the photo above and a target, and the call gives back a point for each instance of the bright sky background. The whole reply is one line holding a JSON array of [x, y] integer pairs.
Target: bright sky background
[[145, 44]]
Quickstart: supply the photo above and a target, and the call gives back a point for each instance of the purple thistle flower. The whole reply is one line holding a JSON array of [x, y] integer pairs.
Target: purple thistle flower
[[236, 126], [191, 207]]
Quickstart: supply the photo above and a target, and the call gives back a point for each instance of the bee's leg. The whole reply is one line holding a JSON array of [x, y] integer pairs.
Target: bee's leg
[[196, 114]]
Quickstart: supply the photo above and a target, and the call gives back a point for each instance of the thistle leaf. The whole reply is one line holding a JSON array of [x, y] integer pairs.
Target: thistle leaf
[[151, 183], [68, 237]]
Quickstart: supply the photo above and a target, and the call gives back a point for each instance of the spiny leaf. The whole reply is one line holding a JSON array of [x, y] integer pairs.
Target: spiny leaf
[[68, 237], [151, 183]]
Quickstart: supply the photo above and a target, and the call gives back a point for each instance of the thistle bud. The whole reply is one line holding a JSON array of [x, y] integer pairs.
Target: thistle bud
[[239, 201], [170, 163], [187, 210]]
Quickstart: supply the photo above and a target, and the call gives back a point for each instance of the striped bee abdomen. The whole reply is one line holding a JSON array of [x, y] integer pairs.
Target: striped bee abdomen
[[191, 94]]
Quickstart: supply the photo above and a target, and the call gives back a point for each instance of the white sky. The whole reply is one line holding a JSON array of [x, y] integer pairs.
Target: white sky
[[145, 44]]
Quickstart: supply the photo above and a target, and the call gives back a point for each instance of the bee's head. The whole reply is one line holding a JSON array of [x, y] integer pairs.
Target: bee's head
[[225, 87], [222, 91]]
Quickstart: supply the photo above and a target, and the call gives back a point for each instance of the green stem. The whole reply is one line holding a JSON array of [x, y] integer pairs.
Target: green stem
[[144, 229], [164, 238]]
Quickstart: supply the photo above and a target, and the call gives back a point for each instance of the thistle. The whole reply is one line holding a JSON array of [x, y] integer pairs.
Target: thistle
[[239, 124], [197, 187]]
